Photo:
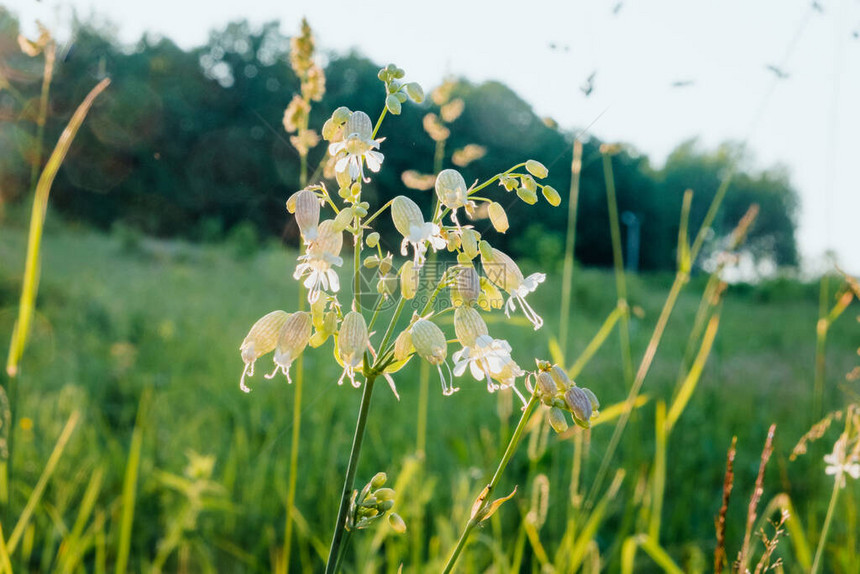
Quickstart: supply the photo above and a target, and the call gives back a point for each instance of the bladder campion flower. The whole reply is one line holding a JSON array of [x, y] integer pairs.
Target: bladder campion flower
[[261, 339], [357, 148], [292, 340], [317, 263], [502, 271], [840, 463], [308, 214], [410, 223], [351, 343], [430, 344], [452, 191], [487, 358]]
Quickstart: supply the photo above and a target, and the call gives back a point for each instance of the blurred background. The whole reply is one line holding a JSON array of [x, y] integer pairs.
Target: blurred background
[[167, 238]]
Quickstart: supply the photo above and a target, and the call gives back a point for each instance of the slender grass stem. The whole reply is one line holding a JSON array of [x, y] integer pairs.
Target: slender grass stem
[[349, 480], [567, 274], [826, 528], [478, 513], [820, 348], [618, 260]]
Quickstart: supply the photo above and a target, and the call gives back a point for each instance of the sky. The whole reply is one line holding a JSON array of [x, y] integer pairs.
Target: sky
[[808, 121]]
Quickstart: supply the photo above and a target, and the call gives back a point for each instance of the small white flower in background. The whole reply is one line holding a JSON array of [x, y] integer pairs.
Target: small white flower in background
[[409, 221], [502, 271], [839, 463], [357, 148], [317, 262]]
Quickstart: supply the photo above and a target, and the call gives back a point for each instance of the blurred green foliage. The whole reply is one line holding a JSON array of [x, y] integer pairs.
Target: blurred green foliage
[[189, 143]]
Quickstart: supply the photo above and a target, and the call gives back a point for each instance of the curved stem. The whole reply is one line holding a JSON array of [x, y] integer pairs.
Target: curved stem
[[826, 527], [378, 213], [494, 178], [378, 123], [477, 514], [349, 481]]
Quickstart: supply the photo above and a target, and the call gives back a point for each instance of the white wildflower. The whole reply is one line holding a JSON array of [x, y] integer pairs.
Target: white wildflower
[[357, 148], [316, 264], [502, 271], [839, 463]]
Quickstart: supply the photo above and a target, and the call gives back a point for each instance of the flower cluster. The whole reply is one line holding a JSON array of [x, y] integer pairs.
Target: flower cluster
[[374, 502], [560, 394]]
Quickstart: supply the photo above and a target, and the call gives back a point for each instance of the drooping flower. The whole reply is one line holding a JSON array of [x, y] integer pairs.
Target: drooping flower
[[306, 206], [357, 148], [351, 343], [430, 344], [410, 223], [292, 340], [452, 191], [317, 262], [261, 339], [502, 271], [840, 463], [487, 358]]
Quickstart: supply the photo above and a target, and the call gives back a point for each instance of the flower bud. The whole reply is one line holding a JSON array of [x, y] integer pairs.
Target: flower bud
[[469, 241], [372, 240], [527, 195], [409, 277], [393, 104], [343, 219], [545, 384], [468, 325], [403, 345], [578, 403], [308, 214], [371, 262], [386, 285], [559, 375], [451, 188], [352, 339], [383, 494], [378, 480], [385, 264], [595, 404], [557, 420], [537, 169], [551, 195], [466, 288], [429, 341], [405, 213], [396, 523], [414, 91], [261, 339], [498, 217]]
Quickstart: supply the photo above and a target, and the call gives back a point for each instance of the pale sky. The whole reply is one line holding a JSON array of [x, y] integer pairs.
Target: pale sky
[[808, 122]]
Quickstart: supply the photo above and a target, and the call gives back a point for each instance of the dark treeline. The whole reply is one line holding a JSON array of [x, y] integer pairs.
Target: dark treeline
[[190, 144]]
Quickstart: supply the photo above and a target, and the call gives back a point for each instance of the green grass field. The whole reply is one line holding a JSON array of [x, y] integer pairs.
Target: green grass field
[[120, 318]]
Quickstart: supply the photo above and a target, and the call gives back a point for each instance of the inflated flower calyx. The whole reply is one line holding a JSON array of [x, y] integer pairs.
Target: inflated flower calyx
[[405, 213], [557, 420], [392, 103], [372, 240], [403, 345], [387, 285], [307, 214], [351, 343], [385, 264], [498, 217], [414, 91], [546, 387], [466, 287], [469, 241], [537, 169], [429, 341], [371, 262], [527, 195], [580, 405], [468, 325], [559, 376], [343, 219], [451, 188], [261, 339], [294, 336], [409, 277]]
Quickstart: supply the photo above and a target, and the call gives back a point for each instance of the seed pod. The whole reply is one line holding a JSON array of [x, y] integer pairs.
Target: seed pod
[[551, 195], [468, 325], [405, 213], [559, 375], [352, 340], [557, 420], [498, 217], [469, 240], [578, 403], [429, 341], [409, 277], [537, 169], [466, 288], [403, 345], [396, 523], [451, 188], [385, 264], [307, 214]]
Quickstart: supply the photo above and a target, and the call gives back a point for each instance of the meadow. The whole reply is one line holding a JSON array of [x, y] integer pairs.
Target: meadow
[[133, 329]]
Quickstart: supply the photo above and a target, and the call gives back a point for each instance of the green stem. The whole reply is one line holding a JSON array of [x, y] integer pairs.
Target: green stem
[[477, 515], [567, 277], [379, 122], [827, 519], [349, 481], [494, 178], [378, 213]]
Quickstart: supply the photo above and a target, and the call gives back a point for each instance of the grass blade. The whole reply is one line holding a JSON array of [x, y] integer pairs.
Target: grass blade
[[129, 485]]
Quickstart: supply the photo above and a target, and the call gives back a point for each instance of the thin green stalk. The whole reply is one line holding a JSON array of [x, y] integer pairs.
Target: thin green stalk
[[820, 348], [47, 76], [478, 514], [494, 178], [379, 122], [618, 260], [129, 485], [292, 479], [567, 275], [423, 400], [349, 480]]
